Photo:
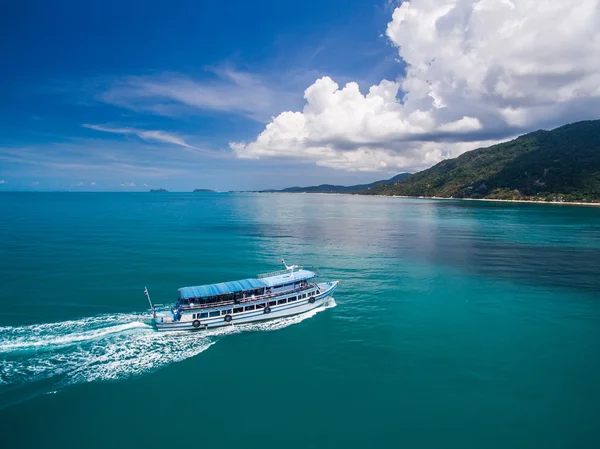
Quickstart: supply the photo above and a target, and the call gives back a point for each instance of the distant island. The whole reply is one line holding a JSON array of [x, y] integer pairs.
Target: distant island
[[329, 188], [202, 190], [158, 190], [559, 166]]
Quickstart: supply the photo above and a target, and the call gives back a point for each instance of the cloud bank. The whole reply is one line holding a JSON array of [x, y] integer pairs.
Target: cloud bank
[[476, 72]]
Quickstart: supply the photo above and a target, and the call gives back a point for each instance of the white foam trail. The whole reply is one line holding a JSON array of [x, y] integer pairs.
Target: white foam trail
[[107, 347], [37, 342]]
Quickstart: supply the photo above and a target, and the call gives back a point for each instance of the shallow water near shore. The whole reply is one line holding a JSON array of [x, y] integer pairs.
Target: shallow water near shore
[[457, 324]]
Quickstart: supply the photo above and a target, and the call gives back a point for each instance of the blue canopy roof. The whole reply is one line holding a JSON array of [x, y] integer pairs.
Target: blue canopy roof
[[287, 277], [220, 289]]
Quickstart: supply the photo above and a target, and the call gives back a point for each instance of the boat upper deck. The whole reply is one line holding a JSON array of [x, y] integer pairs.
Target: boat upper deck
[[270, 280], [286, 277]]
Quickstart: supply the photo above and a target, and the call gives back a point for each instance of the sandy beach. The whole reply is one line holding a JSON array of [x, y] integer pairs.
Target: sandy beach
[[559, 203]]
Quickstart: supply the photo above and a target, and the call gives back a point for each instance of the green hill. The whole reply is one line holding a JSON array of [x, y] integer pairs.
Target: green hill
[[558, 165]]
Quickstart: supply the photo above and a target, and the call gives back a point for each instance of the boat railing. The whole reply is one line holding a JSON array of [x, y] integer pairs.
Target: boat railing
[[247, 300], [162, 307]]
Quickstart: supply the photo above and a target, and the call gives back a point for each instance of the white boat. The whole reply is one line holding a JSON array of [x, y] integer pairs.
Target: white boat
[[268, 296]]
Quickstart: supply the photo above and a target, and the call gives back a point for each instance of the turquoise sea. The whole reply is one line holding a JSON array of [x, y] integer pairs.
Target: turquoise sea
[[456, 324]]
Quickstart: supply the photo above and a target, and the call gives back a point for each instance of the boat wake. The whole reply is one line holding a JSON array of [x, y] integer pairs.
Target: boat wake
[[44, 358]]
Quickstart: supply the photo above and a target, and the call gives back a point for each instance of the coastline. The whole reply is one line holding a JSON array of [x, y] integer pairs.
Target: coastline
[[557, 203]]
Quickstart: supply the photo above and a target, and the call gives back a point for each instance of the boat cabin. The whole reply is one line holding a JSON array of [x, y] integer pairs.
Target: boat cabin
[[234, 292]]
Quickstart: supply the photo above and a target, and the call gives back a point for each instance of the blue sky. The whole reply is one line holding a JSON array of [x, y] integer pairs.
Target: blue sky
[[133, 95], [64, 62]]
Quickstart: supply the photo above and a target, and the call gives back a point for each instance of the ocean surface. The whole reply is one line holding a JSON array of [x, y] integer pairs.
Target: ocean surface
[[457, 324]]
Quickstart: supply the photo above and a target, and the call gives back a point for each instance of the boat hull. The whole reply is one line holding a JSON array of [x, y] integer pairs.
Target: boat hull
[[277, 311]]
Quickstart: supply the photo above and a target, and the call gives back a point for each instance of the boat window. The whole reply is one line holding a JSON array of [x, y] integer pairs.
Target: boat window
[[281, 301], [215, 313], [272, 303], [204, 315], [292, 298], [194, 316], [249, 308], [260, 306], [238, 310], [225, 312], [303, 295]]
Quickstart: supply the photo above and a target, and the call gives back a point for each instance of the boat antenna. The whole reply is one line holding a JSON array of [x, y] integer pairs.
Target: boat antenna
[[288, 267], [148, 296]]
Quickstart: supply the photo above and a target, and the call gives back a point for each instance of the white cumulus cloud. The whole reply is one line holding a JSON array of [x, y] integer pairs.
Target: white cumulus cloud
[[128, 184], [477, 71]]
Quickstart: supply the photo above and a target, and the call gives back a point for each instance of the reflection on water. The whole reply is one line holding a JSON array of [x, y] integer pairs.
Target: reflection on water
[[545, 244]]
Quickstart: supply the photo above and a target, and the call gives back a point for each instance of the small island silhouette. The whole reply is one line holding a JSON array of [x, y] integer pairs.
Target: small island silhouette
[[202, 190], [158, 190]]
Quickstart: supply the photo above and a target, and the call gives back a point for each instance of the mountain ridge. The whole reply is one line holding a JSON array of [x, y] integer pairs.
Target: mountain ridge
[[562, 164], [331, 188]]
